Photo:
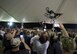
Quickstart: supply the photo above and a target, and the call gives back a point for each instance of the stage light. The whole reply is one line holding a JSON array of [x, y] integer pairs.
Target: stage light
[[56, 25], [10, 23]]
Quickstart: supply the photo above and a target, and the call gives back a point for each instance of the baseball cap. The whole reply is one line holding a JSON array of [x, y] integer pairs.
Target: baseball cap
[[15, 42]]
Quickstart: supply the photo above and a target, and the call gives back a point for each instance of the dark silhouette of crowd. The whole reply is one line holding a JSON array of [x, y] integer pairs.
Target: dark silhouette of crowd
[[30, 41]]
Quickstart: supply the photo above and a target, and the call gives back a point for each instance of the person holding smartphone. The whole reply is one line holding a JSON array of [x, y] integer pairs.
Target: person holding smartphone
[[15, 43], [40, 44]]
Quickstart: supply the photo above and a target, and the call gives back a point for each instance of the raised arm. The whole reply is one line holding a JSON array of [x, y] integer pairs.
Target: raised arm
[[26, 46], [64, 30], [13, 34]]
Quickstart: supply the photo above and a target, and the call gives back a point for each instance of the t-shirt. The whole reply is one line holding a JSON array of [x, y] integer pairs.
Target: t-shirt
[[17, 52], [39, 47], [57, 48], [6, 44], [2, 33]]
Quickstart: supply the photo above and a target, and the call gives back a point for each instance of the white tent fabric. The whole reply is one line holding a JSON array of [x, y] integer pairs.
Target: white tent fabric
[[33, 10], [5, 17]]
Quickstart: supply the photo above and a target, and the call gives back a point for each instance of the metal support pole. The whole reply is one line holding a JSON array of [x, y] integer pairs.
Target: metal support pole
[[53, 29], [22, 25]]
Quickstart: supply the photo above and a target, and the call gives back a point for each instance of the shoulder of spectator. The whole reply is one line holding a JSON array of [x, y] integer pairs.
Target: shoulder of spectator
[[33, 39]]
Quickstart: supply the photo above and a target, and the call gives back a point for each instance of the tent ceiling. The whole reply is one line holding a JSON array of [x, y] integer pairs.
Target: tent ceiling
[[5, 17], [33, 10]]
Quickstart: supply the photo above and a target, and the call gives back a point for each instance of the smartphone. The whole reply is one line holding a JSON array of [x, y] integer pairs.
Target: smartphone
[[21, 36], [44, 29]]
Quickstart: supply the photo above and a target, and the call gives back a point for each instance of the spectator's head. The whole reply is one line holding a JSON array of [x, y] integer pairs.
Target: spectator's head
[[39, 33], [27, 33], [45, 34], [2, 29], [35, 32], [21, 30], [12, 30], [17, 33], [8, 30], [32, 33], [44, 37], [8, 36]]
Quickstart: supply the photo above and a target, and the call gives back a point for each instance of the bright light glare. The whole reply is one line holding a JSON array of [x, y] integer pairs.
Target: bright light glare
[[22, 27], [37, 29], [44, 29], [10, 23], [56, 25]]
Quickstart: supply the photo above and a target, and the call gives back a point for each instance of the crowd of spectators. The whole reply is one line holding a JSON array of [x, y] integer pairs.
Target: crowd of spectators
[[23, 41]]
